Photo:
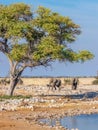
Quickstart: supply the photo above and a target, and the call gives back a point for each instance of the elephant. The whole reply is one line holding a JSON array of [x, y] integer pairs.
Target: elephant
[[54, 84]]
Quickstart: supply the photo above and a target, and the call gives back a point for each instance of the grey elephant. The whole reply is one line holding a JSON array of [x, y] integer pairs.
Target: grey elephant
[[54, 84]]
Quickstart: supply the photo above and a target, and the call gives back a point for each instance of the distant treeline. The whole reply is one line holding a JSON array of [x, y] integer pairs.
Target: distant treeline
[[56, 77]]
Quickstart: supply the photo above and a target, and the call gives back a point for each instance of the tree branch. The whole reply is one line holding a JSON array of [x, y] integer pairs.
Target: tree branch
[[44, 63], [4, 46]]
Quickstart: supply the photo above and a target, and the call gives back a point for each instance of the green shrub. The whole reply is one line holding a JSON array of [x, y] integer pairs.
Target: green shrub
[[95, 82], [15, 97], [4, 81], [67, 81], [7, 81]]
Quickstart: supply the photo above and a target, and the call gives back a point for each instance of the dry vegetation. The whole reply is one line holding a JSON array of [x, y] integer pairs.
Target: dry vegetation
[[51, 104], [44, 81]]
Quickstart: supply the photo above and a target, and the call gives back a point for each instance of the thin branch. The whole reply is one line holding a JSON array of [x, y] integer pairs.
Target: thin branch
[[4, 46], [44, 63]]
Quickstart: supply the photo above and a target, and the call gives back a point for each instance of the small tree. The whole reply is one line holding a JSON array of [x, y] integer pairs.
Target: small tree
[[33, 39]]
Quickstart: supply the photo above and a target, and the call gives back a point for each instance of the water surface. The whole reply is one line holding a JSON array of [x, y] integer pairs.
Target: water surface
[[82, 122]]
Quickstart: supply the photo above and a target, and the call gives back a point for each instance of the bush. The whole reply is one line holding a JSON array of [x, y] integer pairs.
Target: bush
[[67, 81], [4, 81], [2, 97], [95, 82], [7, 81]]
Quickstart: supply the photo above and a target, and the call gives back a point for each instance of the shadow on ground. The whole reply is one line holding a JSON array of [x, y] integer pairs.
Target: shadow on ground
[[75, 96], [86, 95]]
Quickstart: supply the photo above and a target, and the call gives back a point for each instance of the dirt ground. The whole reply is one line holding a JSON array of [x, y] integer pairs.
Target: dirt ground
[[8, 121], [25, 119]]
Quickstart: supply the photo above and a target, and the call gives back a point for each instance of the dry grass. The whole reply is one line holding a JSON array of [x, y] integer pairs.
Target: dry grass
[[44, 81]]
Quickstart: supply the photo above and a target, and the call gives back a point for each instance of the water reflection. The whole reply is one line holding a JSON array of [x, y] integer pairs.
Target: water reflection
[[70, 121], [82, 122], [52, 122]]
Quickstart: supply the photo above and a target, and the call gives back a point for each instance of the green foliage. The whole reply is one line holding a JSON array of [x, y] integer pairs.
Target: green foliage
[[84, 55], [4, 81], [63, 28], [70, 55], [30, 39], [11, 23], [67, 81], [47, 49], [3, 97], [95, 82], [46, 35], [19, 52]]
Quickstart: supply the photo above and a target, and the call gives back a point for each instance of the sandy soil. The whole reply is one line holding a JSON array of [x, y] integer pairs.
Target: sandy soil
[[24, 119], [44, 81], [8, 121]]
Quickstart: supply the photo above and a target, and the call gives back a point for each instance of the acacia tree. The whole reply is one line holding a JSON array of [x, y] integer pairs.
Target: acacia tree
[[31, 39]]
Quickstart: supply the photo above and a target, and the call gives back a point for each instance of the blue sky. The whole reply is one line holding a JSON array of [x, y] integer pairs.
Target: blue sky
[[82, 12]]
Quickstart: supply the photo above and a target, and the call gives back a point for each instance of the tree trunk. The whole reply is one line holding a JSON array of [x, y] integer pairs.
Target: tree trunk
[[14, 79], [13, 83], [15, 74]]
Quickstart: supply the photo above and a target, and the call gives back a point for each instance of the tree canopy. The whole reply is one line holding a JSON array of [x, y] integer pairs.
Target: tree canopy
[[31, 39]]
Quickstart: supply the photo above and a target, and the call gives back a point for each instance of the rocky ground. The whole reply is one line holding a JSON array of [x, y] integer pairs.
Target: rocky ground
[[24, 113]]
